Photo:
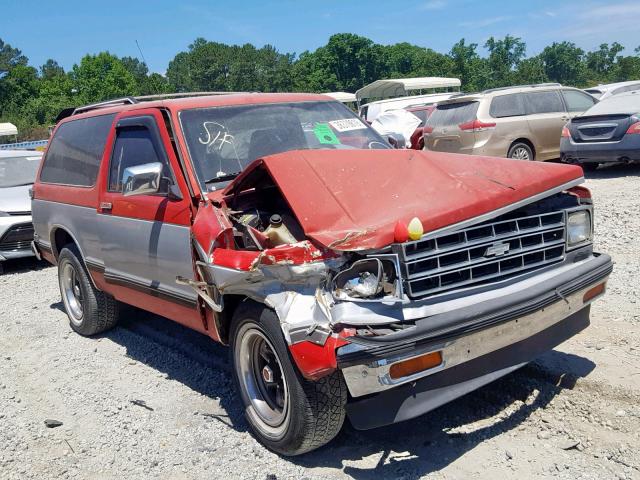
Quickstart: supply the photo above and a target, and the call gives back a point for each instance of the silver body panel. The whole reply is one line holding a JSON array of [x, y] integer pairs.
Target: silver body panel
[[79, 222], [137, 252], [147, 253]]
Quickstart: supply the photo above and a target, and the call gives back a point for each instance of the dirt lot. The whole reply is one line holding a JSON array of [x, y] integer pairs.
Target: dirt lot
[[574, 413]]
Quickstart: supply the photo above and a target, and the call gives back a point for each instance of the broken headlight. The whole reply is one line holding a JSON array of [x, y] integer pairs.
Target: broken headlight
[[367, 279], [578, 228]]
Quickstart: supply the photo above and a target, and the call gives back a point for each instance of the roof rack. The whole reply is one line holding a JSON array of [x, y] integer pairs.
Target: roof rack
[[533, 85], [68, 112], [107, 103], [184, 94]]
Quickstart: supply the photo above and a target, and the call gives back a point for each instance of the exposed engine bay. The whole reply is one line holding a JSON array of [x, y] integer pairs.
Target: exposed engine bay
[[272, 251]]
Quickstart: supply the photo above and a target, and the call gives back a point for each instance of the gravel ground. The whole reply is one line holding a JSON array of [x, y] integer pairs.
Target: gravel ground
[[151, 399]]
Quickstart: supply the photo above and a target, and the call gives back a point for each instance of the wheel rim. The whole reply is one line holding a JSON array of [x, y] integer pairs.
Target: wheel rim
[[521, 153], [71, 292], [262, 380]]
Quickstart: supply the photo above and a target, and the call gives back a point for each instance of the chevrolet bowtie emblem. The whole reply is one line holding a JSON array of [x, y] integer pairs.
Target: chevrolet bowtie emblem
[[496, 250]]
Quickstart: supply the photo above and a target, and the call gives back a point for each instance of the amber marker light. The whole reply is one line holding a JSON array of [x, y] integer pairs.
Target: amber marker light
[[415, 365], [593, 292]]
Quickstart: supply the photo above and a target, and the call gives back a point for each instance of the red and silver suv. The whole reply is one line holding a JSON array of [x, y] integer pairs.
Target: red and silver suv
[[347, 278]]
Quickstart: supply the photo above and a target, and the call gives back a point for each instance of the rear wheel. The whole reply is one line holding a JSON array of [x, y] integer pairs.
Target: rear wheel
[[286, 412], [520, 151], [90, 311]]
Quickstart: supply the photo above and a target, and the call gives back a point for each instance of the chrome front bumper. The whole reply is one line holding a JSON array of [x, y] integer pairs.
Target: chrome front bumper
[[374, 376]]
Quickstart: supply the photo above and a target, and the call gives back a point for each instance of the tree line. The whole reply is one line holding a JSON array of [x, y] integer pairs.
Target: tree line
[[31, 97]]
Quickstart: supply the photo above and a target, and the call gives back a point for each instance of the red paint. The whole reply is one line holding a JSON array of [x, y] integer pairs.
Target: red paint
[[417, 138], [236, 259], [187, 316], [297, 254], [400, 232], [353, 199], [477, 126], [146, 207], [209, 227], [316, 361], [580, 192]]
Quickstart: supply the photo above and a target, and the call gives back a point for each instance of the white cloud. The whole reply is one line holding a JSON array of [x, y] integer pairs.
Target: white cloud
[[484, 22], [434, 5]]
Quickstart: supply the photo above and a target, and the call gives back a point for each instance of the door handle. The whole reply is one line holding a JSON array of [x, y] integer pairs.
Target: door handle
[[105, 206]]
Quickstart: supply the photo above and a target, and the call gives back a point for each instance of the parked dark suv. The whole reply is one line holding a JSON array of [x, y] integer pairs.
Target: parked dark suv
[[347, 278]]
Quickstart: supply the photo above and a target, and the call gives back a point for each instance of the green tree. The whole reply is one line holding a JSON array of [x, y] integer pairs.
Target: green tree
[[531, 70], [504, 57], [564, 63], [10, 57], [601, 62], [50, 69], [469, 66], [102, 77]]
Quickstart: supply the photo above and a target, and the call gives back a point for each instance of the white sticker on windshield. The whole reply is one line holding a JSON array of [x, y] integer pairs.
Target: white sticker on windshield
[[347, 124]]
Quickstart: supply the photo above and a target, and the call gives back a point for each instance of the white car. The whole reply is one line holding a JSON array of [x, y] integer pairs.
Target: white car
[[18, 169], [605, 91], [398, 93]]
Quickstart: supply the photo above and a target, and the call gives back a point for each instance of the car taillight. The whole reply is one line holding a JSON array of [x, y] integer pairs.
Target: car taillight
[[634, 129], [565, 132], [427, 129], [476, 126]]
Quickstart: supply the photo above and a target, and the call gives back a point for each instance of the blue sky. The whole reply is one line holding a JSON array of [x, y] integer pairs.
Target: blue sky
[[66, 30]]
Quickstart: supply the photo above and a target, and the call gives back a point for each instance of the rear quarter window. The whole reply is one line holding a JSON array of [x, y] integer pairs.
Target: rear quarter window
[[75, 151], [453, 114], [577, 101], [544, 102], [511, 105]]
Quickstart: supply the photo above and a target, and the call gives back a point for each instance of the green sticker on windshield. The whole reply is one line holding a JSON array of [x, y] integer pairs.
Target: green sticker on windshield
[[325, 135]]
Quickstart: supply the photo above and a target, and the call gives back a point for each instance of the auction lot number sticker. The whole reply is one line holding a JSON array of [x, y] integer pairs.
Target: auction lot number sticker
[[347, 124]]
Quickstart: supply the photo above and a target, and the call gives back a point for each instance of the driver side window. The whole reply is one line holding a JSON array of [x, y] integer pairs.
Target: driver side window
[[136, 145]]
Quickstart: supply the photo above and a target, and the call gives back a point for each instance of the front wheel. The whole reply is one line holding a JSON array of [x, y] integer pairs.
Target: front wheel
[[520, 151], [286, 412]]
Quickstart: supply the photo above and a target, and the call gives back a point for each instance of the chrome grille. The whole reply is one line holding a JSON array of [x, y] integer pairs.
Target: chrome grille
[[18, 237], [482, 253]]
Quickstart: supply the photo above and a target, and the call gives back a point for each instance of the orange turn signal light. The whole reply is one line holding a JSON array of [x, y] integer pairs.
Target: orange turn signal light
[[593, 292], [415, 365]]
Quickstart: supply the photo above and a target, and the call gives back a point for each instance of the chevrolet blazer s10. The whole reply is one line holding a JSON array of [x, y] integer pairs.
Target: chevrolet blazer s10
[[347, 278]]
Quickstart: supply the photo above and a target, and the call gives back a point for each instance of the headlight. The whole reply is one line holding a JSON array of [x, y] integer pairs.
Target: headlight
[[578, 227], [367, 279]]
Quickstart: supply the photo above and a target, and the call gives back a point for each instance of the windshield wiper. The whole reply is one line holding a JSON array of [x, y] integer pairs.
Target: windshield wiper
[[223, 178]]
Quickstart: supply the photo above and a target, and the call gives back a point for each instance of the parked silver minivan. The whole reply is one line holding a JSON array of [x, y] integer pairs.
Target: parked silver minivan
[[516, 122]]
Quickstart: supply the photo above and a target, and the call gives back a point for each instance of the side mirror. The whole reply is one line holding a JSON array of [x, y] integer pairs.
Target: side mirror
[[396, 140], [142, 179]]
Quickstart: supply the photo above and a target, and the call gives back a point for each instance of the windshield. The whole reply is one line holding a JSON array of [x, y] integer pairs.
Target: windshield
[[15, 171], [222, 141]]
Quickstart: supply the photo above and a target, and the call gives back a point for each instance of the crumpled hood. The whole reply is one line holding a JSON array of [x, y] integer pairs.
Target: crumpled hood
[[15, 199], [352, 199]]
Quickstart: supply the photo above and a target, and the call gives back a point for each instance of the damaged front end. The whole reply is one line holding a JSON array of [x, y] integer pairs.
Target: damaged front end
[[348, 283]]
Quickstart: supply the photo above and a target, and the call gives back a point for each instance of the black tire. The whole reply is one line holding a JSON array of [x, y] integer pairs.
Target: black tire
[[519, 150], [590, 166], [315, 410], [97, 311]]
